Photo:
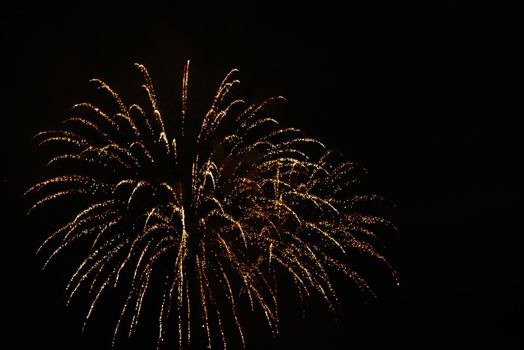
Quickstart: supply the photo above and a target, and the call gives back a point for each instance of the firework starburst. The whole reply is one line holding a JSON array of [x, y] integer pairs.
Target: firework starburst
[[206, 217]]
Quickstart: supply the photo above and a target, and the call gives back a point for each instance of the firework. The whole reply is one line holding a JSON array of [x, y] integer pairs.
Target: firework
[[206, 215]]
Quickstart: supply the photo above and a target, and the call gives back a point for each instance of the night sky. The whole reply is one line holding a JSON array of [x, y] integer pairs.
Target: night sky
[[428, 98]]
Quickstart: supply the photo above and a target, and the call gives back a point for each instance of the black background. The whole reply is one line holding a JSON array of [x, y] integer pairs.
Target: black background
[[427, 97]]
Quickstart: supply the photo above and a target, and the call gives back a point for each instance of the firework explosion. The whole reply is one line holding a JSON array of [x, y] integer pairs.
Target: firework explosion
[[206, 216]]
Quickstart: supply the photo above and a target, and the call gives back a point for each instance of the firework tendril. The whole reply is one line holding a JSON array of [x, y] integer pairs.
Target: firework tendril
[[206, 216]]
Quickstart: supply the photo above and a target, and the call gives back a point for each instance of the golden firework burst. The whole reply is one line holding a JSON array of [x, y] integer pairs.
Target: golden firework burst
[[206, 216]]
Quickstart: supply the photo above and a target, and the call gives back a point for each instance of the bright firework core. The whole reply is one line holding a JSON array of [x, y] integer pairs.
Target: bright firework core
[[207, 217]]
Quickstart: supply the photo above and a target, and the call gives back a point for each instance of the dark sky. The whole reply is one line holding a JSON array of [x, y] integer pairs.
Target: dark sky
[[427, 97]]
